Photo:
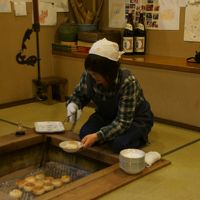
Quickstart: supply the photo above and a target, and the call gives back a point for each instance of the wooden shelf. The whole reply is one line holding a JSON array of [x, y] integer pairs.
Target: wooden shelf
[[151, 61]]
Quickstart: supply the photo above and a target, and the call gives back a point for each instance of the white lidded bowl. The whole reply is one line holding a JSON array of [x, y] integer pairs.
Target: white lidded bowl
[[132, 160]]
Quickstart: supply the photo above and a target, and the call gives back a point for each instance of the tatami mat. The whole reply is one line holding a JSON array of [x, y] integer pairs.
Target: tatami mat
[[6, 128], [163, 138], [30, 113], [178, 181], [27, 114]]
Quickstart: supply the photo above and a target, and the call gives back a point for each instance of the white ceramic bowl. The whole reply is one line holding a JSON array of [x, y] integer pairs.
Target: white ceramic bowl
[[132, 160], [70, 146]]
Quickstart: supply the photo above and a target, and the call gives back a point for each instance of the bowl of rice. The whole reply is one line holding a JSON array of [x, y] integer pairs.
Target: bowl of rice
[[71, 146]]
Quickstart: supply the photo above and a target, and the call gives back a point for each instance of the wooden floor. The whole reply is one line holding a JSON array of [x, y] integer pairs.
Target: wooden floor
[[180, 180]]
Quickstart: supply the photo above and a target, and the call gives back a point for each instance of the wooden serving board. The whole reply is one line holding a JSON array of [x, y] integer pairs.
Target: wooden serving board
[[99, 183]]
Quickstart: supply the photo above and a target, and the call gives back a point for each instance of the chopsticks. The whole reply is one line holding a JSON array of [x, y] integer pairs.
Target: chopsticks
[[74, 123]]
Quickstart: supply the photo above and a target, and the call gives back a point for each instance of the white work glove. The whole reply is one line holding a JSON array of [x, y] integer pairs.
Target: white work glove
[[72, 109]]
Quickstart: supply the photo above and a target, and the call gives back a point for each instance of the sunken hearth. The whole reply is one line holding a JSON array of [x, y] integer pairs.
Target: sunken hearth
[[43, 158], [93, 172]]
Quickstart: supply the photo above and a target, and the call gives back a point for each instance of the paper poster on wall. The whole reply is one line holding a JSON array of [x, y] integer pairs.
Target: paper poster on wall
[[116, 14], [183, 3], [20, 8], [5, 6], [134, 6], [152, 13], [169, 15], [162, 14], [47, 14], [159, 14], [192, 25], [59, 5]]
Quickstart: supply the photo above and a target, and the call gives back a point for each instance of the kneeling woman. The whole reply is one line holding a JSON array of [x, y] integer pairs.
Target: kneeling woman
[[122, 116]]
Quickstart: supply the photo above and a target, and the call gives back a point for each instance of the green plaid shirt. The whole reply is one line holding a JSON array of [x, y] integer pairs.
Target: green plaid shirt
[[130, 95]]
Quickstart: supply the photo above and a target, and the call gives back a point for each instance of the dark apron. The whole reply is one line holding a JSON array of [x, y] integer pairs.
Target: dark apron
[[106, 111]]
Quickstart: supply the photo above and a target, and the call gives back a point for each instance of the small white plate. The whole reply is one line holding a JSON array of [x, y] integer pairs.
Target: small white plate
[[49, 127], [71, 146]]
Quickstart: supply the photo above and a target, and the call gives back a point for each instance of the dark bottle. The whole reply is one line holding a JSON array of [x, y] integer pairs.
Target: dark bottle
[[140, 36], [128, 35]]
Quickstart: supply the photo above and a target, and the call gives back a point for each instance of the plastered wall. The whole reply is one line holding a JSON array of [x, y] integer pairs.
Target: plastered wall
[[163, 42], [172, 94], [16, 79]]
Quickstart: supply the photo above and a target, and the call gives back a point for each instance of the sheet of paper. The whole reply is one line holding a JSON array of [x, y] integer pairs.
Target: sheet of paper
[[135, 6], [60, 5], [169, 15], [5, 6], [152, 11], [21, 1], [183, 3], [47, 13], [162, 14], [192, 25], [116, 13], [20, 8]]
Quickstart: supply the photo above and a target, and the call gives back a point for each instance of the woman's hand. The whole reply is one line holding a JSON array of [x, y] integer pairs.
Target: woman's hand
[[89, 140]]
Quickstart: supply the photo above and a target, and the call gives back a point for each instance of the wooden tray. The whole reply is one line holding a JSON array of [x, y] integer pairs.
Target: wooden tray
[[100, 183]]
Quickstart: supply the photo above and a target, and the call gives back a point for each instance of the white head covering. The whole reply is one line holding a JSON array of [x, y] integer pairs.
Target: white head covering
[[107, 49]]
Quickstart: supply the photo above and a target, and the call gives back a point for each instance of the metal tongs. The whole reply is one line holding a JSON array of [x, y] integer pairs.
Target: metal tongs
[[74, 123]]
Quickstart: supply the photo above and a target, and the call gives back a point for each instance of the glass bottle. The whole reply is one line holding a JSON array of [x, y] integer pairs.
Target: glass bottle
[[128, 35], [140, 36]]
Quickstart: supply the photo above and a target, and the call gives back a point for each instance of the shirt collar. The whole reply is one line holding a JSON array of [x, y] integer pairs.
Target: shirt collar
[[117, 78]]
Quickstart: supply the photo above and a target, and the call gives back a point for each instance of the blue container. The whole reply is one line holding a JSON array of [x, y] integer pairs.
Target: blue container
[[68, 32], [87, 27]]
